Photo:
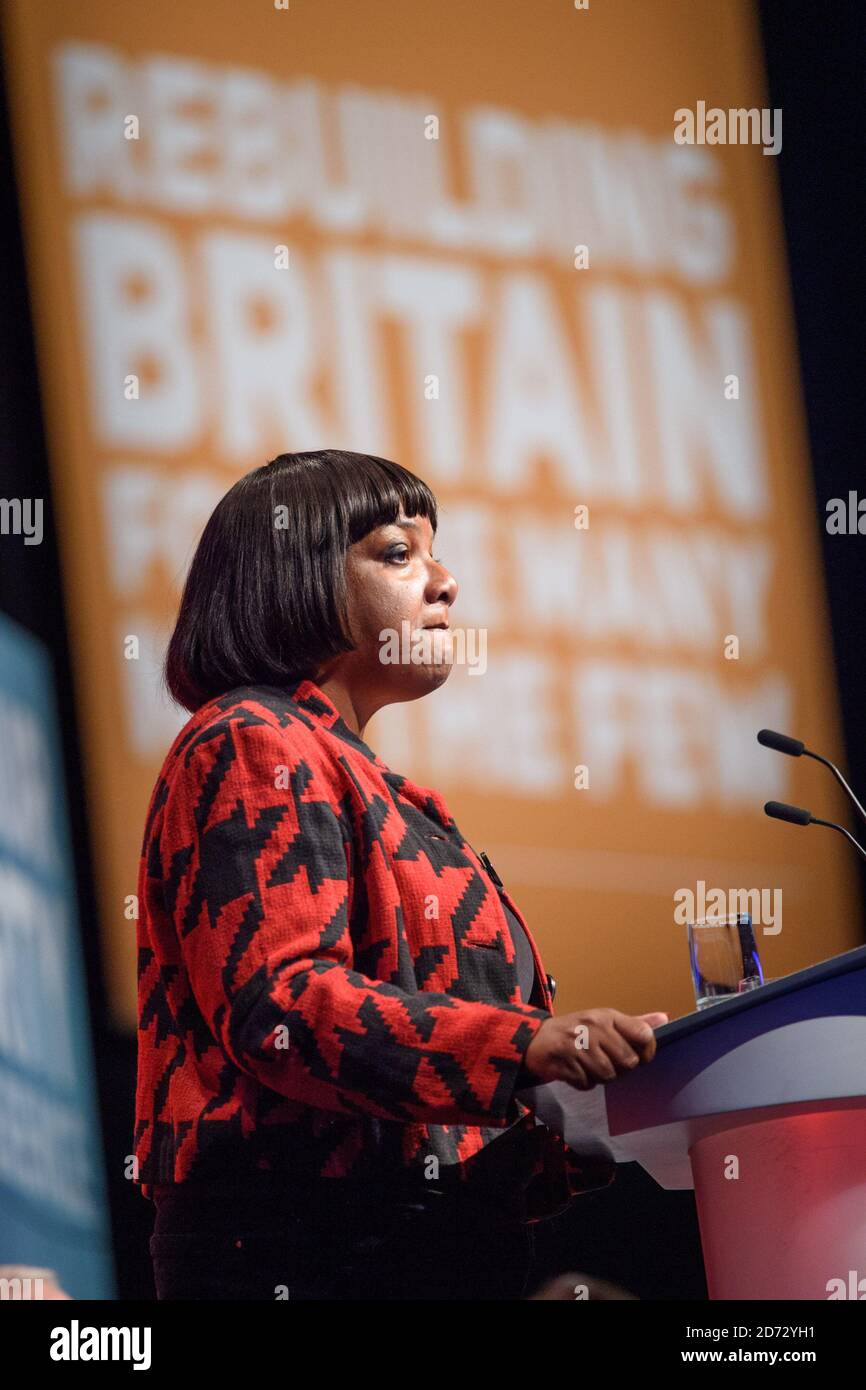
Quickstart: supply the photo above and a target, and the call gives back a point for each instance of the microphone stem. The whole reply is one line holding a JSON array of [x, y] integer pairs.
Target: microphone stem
[[842, 831], [839, 778]]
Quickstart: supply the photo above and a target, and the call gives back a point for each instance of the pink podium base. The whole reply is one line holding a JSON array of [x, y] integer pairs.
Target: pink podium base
[[792, 1224]]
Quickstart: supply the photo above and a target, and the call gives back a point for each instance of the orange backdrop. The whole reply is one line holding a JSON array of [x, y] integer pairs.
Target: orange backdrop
[[253, 229]]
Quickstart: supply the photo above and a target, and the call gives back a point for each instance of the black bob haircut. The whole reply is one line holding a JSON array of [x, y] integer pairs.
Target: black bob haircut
[[265, 598]]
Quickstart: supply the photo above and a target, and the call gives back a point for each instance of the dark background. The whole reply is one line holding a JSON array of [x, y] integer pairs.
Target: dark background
[[633, 1232]]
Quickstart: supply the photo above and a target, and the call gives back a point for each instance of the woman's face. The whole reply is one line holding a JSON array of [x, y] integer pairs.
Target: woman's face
[[392, 579]]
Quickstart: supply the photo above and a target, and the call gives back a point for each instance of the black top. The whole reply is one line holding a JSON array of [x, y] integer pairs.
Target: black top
[[525, 959]]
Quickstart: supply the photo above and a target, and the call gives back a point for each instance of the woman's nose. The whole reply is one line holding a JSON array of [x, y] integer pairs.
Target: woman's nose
[[442, 587]]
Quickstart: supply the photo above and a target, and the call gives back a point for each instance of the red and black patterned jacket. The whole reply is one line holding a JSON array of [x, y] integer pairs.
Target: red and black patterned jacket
[[327, 985]]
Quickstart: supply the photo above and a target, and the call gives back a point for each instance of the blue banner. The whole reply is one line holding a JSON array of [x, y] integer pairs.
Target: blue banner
[[53, 1210]]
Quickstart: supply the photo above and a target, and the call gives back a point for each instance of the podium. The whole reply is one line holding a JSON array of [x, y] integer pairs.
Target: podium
[[758, 1103]]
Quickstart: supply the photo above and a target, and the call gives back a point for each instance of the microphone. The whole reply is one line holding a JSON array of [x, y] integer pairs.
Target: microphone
[[795, 748], [798, 815]]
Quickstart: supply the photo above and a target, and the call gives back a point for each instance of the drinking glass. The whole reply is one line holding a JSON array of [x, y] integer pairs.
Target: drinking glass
[[723, 958]]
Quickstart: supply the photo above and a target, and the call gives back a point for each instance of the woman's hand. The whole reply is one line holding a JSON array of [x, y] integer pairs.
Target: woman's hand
[[591, 1045]]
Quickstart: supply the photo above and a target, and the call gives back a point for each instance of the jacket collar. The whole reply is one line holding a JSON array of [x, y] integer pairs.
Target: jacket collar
[[321, 708], [318, 706], [315, 703]]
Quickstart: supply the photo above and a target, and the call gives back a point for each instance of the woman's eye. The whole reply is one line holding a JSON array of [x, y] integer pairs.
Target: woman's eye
[[400, 554]]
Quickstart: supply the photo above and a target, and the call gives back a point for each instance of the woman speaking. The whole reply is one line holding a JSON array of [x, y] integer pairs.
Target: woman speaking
[[337, 999]]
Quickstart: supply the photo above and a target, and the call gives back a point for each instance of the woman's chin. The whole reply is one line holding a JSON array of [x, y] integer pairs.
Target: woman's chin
[[438, 675], [418, 680]]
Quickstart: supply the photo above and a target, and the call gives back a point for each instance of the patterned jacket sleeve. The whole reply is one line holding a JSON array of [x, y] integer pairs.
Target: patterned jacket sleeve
[[259, 882]]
